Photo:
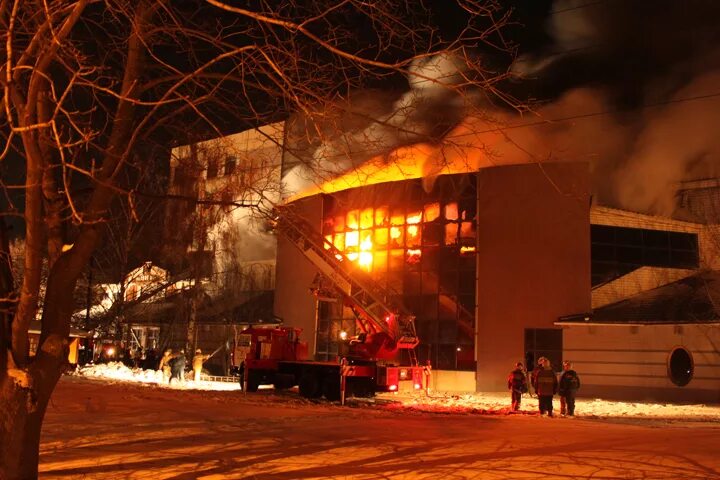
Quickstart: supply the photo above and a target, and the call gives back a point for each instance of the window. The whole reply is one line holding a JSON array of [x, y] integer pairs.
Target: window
[[414, 242], [230, 164], [617, 251], [680, 366], [212, 169]]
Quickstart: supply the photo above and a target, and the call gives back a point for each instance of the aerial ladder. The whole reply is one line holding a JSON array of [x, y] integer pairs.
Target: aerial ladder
[[387, 325]]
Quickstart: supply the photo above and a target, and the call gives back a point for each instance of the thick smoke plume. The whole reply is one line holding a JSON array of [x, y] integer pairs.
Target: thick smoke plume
[[634, 91]]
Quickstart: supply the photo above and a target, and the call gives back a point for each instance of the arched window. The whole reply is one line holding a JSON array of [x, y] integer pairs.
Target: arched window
[[680, 366]]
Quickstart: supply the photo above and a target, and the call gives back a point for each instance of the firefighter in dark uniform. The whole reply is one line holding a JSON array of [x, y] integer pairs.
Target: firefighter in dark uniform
[[546, 386], [517, 384], [569, 385]]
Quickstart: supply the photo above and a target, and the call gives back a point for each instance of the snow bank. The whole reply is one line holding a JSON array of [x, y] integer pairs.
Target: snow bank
[[498, 403], [120, 372]]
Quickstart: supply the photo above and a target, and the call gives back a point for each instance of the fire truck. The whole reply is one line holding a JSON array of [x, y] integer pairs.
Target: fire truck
[[366, 363]]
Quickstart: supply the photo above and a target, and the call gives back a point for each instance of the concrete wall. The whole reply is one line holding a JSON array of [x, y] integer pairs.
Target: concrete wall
[[294, 276], [631, 361], [533, 258]]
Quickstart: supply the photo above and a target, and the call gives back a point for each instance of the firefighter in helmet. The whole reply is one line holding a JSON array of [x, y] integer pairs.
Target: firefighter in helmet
[[197, 363]]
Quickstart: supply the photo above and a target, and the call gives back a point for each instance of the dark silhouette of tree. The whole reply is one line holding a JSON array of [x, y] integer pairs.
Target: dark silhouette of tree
[[90, 87]]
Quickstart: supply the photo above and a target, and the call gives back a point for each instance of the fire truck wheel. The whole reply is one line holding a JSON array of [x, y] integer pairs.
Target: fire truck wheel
[[253, 381], [283, 381], [309, 385], [331, 389]]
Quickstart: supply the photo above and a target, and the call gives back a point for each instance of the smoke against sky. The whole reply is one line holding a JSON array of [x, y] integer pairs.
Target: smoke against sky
[[628, 86]]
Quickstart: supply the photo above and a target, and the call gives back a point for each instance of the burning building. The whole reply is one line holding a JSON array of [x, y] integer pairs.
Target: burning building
[[498, 264], [487, 261]]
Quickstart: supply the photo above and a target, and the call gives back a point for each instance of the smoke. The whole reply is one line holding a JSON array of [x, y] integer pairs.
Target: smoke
[[426, 112], [657, 78], [632, 90]]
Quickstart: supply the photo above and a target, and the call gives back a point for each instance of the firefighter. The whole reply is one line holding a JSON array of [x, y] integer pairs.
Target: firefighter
[[197, 363], [546, 385], [517, 384], [177, 367], [164, 365], [569, 385], [538, 368]]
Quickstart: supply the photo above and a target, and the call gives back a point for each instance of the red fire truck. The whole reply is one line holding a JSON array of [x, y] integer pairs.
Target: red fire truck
[[366, 363]]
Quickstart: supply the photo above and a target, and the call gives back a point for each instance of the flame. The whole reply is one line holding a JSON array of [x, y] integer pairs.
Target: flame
[[352, 239], [414, 218], [395, 232], [412, 230], [366, 257], [464, 250]]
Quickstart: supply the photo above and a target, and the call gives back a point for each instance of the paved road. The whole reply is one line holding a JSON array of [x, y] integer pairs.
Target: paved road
[[101, 430]]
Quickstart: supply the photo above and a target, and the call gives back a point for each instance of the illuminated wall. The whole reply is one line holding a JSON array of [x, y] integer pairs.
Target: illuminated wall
[[420, 244]]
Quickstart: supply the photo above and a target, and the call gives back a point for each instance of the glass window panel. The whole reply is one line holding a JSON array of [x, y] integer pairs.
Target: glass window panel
[[395, 280], [429, 307], [448, 309], [432, 212], [397, 218], [339, 241], [366, 240], [339, 223], [432, 234], [414, 218], [451, 233], [602, 234], [629, 255], [628, 236], [413, 238], [352, 239], [353, 220], [447, 333], [656, 238], [328, 241], [451, 211], [396, 260], [413, 256], [686, 241], [396, 237], [381, 237], [411, 283], [380, 261], [382, 216], [445, 357], [467, 281], [366, 218], [430, 259], [468, 209], [467, 230], [430, 282]]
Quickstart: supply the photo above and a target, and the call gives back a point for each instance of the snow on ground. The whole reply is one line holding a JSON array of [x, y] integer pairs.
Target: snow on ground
[[105, 428], [439, 402], [498, 403], [119, 371]]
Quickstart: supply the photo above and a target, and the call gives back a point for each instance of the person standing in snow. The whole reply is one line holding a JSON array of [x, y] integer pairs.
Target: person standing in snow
[[177, 367], [569, 385], [517, 384], [546, 385], [197, 363], [164, 365], [536, 371]]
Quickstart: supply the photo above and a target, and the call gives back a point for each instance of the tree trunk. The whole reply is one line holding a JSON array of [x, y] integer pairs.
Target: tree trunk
[[23, 402]]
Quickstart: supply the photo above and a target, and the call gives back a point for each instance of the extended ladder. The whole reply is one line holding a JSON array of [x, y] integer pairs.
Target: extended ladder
[[371, 303]]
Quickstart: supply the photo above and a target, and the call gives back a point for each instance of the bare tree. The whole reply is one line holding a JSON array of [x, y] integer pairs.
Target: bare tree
[[88, 84]]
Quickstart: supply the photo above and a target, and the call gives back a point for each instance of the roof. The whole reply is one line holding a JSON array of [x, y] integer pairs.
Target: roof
[[693, 299]]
